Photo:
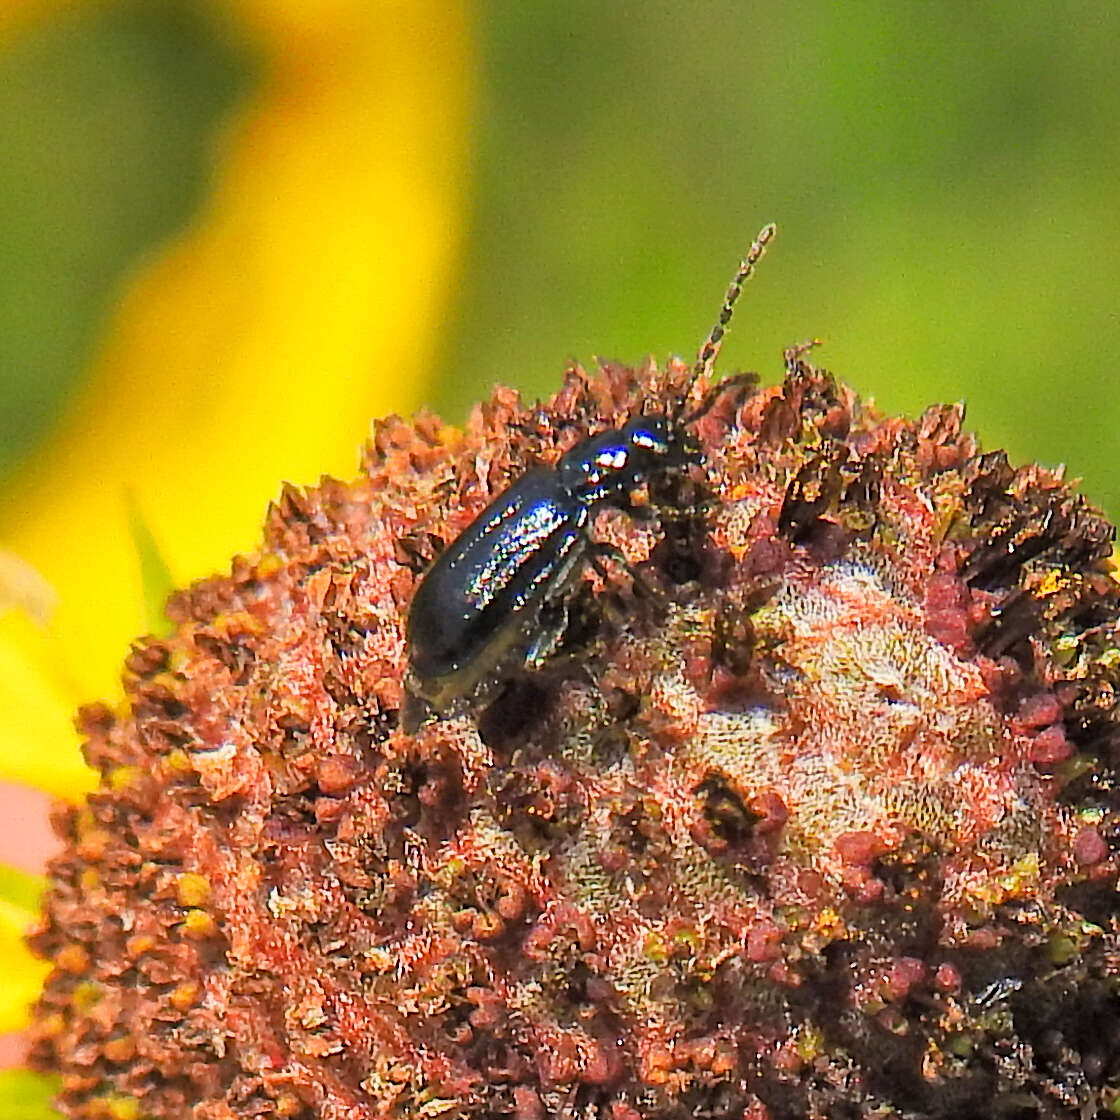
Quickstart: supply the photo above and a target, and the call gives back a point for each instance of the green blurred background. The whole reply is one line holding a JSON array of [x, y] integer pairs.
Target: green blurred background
[[944, 177]]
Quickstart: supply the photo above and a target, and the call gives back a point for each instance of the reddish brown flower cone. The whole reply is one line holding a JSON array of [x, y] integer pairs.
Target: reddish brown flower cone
[[812, 814]]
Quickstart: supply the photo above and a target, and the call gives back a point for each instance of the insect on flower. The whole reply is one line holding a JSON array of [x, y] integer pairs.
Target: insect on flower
[[847, 775], [502, 587]]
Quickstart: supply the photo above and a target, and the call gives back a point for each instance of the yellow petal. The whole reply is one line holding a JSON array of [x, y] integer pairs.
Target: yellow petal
[[27, 1096], [258, 347], [38, 743], [24, 588], [21, 889], [23, 973]]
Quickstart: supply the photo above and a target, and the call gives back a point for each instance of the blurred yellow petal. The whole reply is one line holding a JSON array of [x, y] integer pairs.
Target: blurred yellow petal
[[23, 974], [26, 1096], [258, 347], [38, 743], [23, 587], [19, 906]]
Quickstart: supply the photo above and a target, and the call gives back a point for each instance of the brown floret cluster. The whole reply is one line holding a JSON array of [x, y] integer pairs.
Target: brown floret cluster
[[813, 814]]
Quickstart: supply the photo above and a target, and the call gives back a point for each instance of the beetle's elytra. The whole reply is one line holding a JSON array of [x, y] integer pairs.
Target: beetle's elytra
[[500, 589]]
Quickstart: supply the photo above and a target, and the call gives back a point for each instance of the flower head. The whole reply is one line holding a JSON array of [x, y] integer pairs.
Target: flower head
[[811, 812]]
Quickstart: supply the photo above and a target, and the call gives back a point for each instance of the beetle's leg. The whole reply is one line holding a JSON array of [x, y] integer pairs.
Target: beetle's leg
[[601, 551], [608, 551], [415, 710], [643, 512], [532, 427], [551, 625], [668, 514], [744, 382]]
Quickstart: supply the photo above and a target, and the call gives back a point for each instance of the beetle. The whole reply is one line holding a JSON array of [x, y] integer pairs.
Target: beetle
[[502, 587]]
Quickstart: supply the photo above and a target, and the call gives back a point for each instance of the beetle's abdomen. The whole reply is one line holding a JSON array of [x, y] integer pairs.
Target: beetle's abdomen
[[475, 602]]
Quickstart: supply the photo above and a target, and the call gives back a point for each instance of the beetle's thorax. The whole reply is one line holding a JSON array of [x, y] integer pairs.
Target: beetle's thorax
[[607, 468]]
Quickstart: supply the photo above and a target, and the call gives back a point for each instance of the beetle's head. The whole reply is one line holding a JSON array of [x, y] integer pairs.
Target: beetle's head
[[607, 467], [657, 443]]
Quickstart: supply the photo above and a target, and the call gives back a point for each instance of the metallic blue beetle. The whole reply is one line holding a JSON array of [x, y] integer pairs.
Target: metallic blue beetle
[[501, 588], [522, 554]]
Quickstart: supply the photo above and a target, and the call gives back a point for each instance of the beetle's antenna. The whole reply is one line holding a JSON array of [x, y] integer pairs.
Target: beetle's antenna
[[706, 359]]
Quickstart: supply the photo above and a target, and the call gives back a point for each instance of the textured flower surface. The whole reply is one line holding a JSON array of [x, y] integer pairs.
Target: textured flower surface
[[336, 204], [811, 814]]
